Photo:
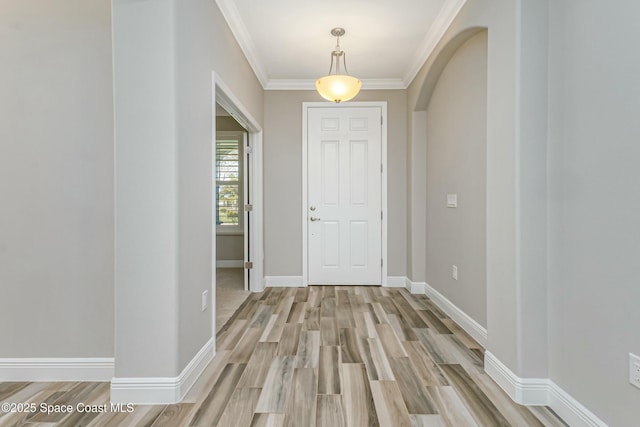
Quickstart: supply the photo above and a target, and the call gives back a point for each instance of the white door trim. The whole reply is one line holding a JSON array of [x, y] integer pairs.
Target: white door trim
[[247, 177], [222, 94], [383, 157]]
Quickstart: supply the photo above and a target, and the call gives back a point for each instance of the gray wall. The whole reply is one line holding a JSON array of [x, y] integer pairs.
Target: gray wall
[[594, 237], [503, 296], [56, 179], [164, 146], [283, 178], [205, 44], [455, 164], [561, 150], [229, 247], [515, 172], [228, 123], [146, 168]]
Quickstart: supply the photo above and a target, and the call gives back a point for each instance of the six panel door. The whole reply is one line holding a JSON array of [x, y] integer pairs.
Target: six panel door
[[344, 195]]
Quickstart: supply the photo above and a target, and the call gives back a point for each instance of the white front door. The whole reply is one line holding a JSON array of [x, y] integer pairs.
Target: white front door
[[344, 192]]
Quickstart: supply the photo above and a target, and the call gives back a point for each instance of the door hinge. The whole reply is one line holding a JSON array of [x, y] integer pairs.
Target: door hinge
[[381, 262], [381, 119], [248, 207], [248, 265], [248, 150], [381, 168], [381, 214]]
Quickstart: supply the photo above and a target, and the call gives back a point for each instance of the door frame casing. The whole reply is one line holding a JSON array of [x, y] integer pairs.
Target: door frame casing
[[383, 159]]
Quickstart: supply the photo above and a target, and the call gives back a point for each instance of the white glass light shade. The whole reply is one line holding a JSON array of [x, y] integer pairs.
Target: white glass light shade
[[338, 87]]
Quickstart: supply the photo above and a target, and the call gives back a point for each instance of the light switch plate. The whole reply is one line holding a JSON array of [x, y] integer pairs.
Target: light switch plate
[[452, 200], [634, 370], [205, 300]]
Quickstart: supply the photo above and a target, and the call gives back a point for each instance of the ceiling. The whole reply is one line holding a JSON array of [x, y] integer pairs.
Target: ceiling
[[288, 42]]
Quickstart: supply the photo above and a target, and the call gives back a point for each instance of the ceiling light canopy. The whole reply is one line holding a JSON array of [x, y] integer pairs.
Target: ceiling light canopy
[[335, 86]]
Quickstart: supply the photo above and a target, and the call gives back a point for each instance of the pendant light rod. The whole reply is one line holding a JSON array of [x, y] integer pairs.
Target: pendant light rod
[[337, 53], [337, 33]]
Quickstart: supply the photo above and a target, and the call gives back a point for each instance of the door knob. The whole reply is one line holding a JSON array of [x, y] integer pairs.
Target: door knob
[[313, 218]]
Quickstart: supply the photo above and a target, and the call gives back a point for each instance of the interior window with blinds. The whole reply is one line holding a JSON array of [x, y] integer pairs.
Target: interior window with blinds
[[229, 181]]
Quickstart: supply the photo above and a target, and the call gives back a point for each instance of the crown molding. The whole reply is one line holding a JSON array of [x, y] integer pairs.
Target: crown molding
[[445, 17], [290, 84], [447, 14], [383, 84], [238, 28], [310, 84]]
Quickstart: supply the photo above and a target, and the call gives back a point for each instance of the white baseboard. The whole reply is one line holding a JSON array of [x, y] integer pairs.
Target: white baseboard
[[525, 391], [540, 391], [56, 369], [235, 263], [416, 287], [473, 328], [396, 282], [404, 282], [570, 410], [297, 281], [162, 391], [283, 281]]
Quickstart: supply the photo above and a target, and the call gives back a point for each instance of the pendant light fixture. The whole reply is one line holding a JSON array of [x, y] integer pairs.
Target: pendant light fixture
[[335, 86]]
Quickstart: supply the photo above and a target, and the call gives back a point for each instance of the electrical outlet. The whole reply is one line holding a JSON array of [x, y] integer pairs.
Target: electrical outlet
[[454, 272], [634, 370], [205, 300]]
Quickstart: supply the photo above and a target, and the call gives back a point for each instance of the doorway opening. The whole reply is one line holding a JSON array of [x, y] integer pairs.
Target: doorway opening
[[232, 197], [237, 204]]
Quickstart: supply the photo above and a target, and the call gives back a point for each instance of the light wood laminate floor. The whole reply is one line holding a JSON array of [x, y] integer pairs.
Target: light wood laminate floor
[[318, 356]]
